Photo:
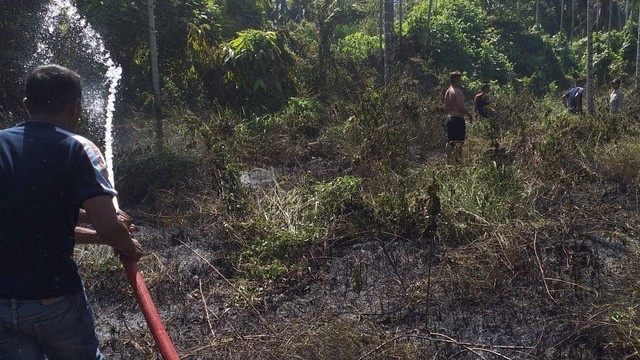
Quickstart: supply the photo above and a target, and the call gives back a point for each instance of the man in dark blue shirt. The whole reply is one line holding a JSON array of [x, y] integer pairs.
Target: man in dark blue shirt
[[572, 99], [47, 175]]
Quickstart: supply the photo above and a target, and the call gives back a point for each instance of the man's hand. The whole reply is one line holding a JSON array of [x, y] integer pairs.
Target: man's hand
[[111, 227], [134, 252], [126, 219]]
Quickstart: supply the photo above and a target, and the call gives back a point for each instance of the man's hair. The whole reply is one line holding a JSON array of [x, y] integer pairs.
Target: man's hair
[[455, 76], [50, 88], [484, 87], [580, 82]]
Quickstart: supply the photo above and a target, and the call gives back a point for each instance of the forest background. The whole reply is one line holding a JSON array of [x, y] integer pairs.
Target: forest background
[[288, 178]]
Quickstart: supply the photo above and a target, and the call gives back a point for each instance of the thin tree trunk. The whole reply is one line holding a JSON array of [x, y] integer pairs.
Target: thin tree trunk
[[400, 17], [595, 19], [429, 17], [389, 48], [389, 42], [638, 56], [537, 12], [589, 88], [155, 73], [381, 28], [609, 25], [561, 15], [620, 25], [626, 11], [573, 20], [325, 31]]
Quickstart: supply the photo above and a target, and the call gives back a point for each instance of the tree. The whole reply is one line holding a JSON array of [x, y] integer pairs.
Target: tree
[[561, 15], [429, 15], [573, 20], [400, 17], [389, 42], [638, 55], [155, 74], [589, 89]]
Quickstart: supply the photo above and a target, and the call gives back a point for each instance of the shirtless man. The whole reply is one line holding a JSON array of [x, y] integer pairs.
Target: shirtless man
[[456, 114]]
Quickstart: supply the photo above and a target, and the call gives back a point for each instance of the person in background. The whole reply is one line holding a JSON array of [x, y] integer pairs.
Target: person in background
[[456, 115], [481, 102], [47, 174], [572, 99], [616, 97]]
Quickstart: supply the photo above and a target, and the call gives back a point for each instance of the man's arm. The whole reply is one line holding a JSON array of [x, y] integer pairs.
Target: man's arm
[[122, 216], [87, 236], [110, 230]]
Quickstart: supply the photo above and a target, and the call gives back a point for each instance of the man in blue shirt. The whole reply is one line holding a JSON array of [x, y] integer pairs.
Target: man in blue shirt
[[47, 175], [572, 99]]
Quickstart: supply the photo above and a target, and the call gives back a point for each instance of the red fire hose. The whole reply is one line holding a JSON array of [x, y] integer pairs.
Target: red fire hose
[[165, 346]]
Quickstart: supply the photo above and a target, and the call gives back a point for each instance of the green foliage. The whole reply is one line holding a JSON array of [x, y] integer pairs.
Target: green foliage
[[256, 65], [359, 46], [531, 52], [240, 15], [493, 65], [204, 31], [492, 48], [338, 197], [392, 208], [303, 117], [273, 240], [609, 62], [446, 42], [380, 126], [474, 197]]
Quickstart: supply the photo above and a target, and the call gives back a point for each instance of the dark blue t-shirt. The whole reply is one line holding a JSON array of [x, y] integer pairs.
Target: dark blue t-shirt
[[571, 94], [46, 173]]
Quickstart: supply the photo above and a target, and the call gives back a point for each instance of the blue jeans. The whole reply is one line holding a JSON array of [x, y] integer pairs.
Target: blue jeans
[[62, 330]]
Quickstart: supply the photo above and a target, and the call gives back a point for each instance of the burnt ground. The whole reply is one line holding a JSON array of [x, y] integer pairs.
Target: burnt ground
[[547, 293]]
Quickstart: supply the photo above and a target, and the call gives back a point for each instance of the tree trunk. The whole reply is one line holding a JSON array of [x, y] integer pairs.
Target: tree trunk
[[638, 56], [626, 11], [609, 25], [389, 42], [325, 32], [537, 12], [561, 15], [589, 87], [573, 20], [400, 17], [429, 17], [381, 28], [155, 73]]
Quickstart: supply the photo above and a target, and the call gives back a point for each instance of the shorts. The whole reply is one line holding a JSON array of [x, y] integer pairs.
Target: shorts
[[456, 128]]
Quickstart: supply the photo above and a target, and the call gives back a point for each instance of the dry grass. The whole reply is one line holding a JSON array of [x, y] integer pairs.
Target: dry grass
[[531, 254]]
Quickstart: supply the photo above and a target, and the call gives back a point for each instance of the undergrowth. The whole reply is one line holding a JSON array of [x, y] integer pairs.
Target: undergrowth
[[533, 223]]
